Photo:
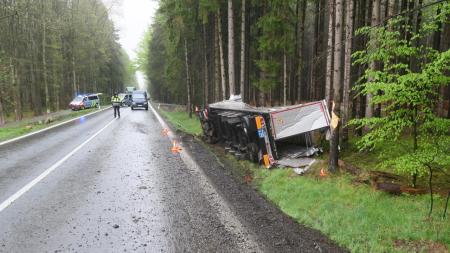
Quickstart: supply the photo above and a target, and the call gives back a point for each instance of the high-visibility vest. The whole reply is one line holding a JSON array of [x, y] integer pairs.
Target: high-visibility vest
[[115, 99]]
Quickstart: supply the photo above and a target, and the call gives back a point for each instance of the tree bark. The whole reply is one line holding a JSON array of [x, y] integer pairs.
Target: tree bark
[[301, 35], [188, 85], [217, 66], [334, 141], [231, 75], [222, 60], [205, 71], [315, 45], [372, 64], [346, 105], [284, 78], [330, 50], [2, 114], [44, 60], [243, 53]]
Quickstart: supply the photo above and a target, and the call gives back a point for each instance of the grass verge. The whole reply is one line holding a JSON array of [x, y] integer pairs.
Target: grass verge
[[20, 129], [355, 216], [181, 121]]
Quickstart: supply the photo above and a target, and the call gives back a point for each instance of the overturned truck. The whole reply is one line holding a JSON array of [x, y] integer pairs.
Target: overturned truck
[[270, 136]]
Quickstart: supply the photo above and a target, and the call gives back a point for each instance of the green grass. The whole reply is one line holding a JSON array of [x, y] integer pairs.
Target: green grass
[[181, 121], [17, 130], [356, 217]]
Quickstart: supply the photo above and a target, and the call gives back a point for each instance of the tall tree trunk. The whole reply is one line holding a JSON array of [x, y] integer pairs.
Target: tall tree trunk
[[372, 64], [315, 46], [56, 88], [188, 83], [390, 8], [301, 35], [284, 78], [334, 140], [217, 78], [321, 47], [442, 41], [44, 60], [205, 61], [16, 89], [2, 114], [346, 109], [231, 77], [243, 53], [74, 76], [222, 60], [330, 50]]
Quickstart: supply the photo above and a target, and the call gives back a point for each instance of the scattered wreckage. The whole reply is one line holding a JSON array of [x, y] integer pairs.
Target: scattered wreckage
[[271, 136]]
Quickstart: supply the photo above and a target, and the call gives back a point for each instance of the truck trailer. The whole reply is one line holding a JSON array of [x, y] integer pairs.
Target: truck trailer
[[270, 136]]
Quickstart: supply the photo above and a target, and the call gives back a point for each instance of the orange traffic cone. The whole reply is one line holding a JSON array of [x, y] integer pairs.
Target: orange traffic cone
[[175, 147], [323, 173]]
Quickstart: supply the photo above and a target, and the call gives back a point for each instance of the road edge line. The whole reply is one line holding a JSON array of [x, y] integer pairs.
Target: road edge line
[[49, 170], [50, 127]]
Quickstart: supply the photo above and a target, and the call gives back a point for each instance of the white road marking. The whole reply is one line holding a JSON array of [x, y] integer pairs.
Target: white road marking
[[51, 127], [44, 174], [222, 209]]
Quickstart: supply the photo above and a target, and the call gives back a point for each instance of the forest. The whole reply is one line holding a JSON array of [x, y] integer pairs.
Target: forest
[[52, 50], [381, 65]]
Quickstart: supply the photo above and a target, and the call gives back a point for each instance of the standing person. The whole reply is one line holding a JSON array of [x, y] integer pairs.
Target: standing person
[[115, 100]]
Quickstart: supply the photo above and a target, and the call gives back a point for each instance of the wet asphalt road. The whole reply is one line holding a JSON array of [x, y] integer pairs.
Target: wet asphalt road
[[123, 191]]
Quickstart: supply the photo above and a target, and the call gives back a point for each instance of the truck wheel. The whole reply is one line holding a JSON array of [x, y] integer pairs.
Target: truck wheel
[[252, 152]]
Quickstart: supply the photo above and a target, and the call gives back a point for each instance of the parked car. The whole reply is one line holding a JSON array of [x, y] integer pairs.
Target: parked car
[[125, 99], [140, 100], [82, 102]]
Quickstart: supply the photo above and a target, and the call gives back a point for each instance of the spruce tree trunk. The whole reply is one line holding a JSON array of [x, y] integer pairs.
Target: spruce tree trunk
[[188, 83], [390, 8], [217, 78], [301, 35], [372, 64], [334, 141], [231, 77], [330, 49], [284, 78], [243, 53], [2, 114], [222, 60], [346, 105], [315, 45], [205, 61], [74, 76], [44, 61]]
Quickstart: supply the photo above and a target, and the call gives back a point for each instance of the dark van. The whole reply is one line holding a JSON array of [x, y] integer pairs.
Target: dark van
[[140, 100]]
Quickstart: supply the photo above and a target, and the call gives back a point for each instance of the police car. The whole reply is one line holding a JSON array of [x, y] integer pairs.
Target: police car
[[81, 102]]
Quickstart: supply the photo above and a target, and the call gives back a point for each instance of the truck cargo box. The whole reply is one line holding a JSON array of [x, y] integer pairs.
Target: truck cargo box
[[271, 136]]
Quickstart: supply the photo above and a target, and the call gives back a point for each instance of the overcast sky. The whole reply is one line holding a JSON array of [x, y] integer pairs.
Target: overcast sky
[[132, 18]]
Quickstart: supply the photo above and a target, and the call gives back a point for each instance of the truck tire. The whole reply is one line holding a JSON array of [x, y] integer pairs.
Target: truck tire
[[252, 152]]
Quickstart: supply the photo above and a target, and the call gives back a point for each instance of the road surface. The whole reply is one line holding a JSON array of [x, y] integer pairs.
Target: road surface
[[100, 184]]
